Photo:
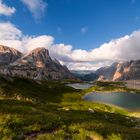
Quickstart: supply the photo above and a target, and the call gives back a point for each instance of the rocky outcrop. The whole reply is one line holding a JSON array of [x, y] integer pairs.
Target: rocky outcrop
[[127, 71], [108, 72], [8, 55], [36, 65], [101, 78], [121, 71]]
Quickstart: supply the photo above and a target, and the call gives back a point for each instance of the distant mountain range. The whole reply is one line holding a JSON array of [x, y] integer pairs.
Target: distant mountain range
[[121, 71], [37, 64], [127, 71], [85, 75], [115, 72]]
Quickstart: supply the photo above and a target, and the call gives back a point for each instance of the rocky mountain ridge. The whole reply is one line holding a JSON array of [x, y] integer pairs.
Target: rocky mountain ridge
[[37, 65], [121, 71], [127, 71], [8, 55], [107, 72], [118, 71]]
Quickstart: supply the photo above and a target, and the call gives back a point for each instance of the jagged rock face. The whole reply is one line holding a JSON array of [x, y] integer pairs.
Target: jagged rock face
[[127, 71], [107, 72], [101, 78], [37, 65], [38, 57], [8, 55], [121, 71]]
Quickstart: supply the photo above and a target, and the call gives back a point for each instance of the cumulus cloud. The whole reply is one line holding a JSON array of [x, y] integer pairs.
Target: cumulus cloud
[[11, 36], [121, 49], [36, 7], [82, 66], [29, 43], [6, 10], [124, 48], [9, 31]]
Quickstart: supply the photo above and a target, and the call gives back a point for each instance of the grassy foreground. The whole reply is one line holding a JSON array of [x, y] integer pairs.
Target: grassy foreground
[[53, 111]]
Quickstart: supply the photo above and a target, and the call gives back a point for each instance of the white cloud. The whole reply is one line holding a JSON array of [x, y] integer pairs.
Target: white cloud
[[31, 43], [86, 65], [84, 29], [124, 48], [82, 66], [5, 10], [13, 37], [9, 31], [61, 51], [36, 7]]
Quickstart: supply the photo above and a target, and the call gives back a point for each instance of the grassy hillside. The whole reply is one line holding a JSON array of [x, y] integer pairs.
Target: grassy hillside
[[53, 111]]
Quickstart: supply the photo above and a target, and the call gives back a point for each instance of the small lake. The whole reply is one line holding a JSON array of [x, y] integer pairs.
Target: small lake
[[125, 100], [80, 85]]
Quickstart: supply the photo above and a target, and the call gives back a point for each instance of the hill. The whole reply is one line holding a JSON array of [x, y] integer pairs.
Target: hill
[[52, 111]]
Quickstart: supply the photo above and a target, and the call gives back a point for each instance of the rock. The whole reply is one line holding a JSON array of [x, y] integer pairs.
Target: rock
[[101, 78], [67, 109], [108, 72], [120, 71], [8, 55], [127, 71], [37, 65], [91, 110]]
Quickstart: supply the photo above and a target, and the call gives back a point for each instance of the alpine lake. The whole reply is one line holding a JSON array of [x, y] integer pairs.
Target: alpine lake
[[127, 100]]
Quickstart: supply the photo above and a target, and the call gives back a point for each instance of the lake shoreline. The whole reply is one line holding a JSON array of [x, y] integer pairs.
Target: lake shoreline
[[125, 99]]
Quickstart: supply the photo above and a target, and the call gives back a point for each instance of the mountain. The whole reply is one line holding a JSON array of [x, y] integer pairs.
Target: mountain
[[121, 71], [8, 55], [85, 76], [37, 64], [127, 71], [82, 72], [108, 72]]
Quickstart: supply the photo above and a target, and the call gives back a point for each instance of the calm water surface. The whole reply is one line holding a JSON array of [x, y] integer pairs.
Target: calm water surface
[[80, 85], [129, 101]]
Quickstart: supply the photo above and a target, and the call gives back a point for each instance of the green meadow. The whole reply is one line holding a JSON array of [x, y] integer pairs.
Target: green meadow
[[49, 110]]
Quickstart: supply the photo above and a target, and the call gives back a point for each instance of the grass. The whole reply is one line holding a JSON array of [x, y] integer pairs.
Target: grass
[[52, 111], [111, 86]]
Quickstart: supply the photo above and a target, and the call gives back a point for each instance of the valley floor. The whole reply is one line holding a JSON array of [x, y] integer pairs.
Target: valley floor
[[135, 84], [53, 111]]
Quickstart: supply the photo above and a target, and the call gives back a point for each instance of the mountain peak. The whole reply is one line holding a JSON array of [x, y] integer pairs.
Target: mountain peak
[[40, 55], [8, 55], [40, 50], [8, 49], [3, 48], [37, 64]]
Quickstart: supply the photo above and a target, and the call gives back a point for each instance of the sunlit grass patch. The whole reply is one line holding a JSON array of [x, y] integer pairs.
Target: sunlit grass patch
[[59, 112]]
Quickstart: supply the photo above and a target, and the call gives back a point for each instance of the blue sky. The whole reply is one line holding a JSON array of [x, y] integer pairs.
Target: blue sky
[[64, 19], [83, 24]]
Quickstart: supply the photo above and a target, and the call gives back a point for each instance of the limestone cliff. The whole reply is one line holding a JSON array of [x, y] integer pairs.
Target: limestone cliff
[[127, 71], [121, 71], [108, 72], [8, 55], [37, 65]]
